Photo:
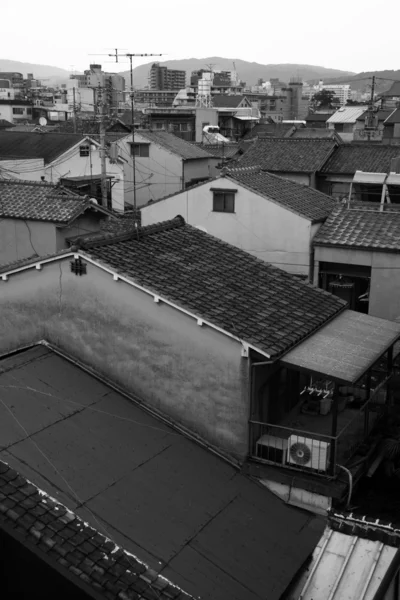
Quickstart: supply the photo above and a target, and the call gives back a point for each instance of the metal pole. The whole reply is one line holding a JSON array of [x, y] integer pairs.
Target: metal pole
[[133, 140], [74, 108], [103, 152]]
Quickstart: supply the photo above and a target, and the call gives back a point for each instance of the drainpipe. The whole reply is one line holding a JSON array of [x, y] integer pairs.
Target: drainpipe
[[183, 173], [350, 476]]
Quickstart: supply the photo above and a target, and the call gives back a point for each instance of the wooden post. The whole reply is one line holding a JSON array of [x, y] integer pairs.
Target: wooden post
[[335, 411]]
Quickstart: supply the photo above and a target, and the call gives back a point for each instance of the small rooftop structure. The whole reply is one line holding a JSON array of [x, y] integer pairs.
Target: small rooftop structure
[[346, 114]]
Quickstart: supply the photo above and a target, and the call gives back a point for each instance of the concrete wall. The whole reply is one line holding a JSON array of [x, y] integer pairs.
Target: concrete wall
[[195, 375], [385, 280], [200, 168], [20, 239], [71, 164], [204, 115], [261, 227], [31, 169]]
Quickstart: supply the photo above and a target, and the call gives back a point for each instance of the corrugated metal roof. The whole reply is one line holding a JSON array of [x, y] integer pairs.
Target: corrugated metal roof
[[348, 114], [346, 347], [346, 567]]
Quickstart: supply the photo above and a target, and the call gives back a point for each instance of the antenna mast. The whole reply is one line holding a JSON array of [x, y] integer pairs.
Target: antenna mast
[[130, 56]]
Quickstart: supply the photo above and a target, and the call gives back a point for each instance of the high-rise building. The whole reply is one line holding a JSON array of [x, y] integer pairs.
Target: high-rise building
[[162, 78], [86, 88]]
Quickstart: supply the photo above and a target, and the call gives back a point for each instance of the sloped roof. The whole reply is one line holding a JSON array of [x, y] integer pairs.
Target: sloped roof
[[288, 155], [269, 130], [347, 114], [187, 514], [320, 117], [78, 550], [222, 150], [394, 89], [394, 117], [303, 200], [371, 158], [5, 123], [174, 144], [226, 101], [215, 281], [36, 201], [24, 144], [362, 226], [313, 133], [381, 114]]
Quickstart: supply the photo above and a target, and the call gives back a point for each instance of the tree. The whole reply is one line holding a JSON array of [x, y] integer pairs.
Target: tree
[[325, 98]]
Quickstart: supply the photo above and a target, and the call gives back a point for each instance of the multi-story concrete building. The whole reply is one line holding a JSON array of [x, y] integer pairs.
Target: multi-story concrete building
[[82, 90], [162, 78], [342, 91]]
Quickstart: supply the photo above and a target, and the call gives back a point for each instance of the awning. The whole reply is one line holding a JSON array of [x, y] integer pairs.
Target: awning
[[364, 177], [345, 348]]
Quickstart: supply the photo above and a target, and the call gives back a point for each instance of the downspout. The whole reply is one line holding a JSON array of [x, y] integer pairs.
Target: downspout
[[183, 174], [350, 476]]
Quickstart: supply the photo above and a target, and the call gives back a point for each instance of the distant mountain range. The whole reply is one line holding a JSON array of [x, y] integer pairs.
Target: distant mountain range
[[249, 72], [39, 71]]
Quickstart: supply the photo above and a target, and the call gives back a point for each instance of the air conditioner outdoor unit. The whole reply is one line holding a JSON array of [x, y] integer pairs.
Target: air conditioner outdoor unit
[[272, 448], [308, 453]]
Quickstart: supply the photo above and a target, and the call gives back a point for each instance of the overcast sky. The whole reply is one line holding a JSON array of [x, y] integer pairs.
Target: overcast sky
[[354, 35]]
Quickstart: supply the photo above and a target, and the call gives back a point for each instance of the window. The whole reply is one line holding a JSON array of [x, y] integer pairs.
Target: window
[[28, 111], [84, 150], [141, 150], [159, 125], [18, 111], [224, 201]]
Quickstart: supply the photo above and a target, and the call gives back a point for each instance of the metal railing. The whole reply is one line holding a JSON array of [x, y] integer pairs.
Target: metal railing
[[314, 452]]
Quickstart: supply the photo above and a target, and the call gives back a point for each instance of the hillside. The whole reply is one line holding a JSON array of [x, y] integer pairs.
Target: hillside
[[39, 71], [358, 82], [249, 72]]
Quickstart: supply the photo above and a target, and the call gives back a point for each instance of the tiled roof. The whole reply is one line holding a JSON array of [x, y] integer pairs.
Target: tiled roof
[[222, 150], [109, 228], [67, 542], [189, 515], [174, 144], [394, 117], [262, 305], [347, 114], [269, 130], [22, 144], [288, 155], [225, 101], [39, 202], [372, 158], [362, 226], [303, 200], [312, 133], [320, 117]]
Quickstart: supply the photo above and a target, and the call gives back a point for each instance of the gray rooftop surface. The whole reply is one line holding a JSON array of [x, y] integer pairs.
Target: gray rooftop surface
[[173, 504]]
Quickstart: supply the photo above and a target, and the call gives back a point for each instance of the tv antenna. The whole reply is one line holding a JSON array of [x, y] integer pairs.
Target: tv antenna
[[130, 55]]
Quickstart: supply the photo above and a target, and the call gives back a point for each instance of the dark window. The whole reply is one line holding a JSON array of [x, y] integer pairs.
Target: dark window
[[224, 202], [18, 111], [141, 150], [29, 111], [84, 150]]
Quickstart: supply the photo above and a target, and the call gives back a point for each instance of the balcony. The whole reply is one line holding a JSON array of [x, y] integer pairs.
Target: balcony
[[314, 409]]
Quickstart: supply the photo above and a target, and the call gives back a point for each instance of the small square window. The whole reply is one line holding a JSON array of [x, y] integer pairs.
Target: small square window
[[141, 150], [84, 150], [224, 202]]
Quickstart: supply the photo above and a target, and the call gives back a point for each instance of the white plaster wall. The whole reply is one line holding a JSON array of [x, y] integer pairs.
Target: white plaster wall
[[31, 169], [157, 176], [259, 226], [71, 164]]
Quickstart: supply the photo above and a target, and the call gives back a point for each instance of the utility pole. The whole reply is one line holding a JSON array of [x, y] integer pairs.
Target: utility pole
[[74, 108], [130, 55], [103, 149]]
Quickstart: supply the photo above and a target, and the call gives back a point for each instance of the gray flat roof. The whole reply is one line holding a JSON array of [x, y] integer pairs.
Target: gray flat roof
[[179, 508], [345, 348]]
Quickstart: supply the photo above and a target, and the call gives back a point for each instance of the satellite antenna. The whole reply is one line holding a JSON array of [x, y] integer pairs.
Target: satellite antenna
[[43, 121]]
